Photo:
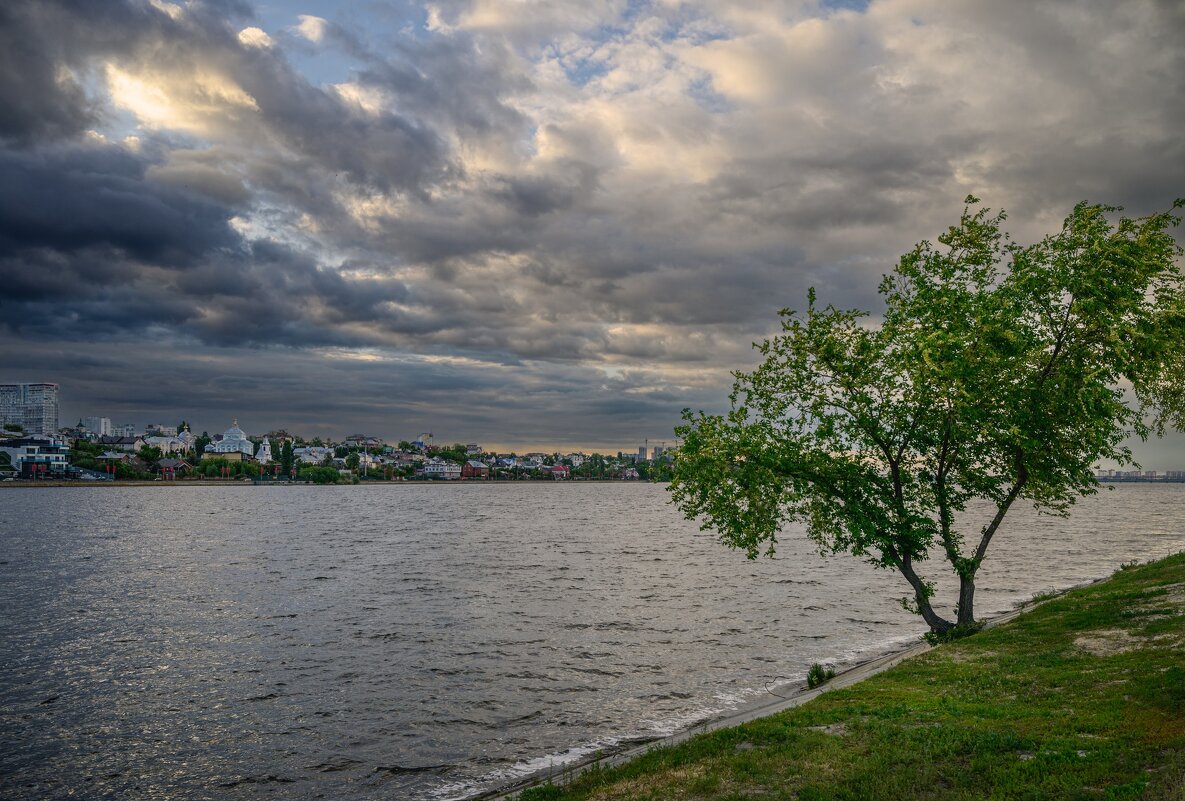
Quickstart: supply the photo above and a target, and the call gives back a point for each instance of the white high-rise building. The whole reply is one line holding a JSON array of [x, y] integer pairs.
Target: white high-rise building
[[97, 425], [33, 407]]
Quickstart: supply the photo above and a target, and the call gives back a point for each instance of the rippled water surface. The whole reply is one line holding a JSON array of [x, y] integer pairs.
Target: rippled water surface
[[428, 641]]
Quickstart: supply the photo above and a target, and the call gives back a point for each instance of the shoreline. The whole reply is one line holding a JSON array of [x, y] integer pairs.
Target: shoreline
[[412, 483], [362, 483], [564, 773]]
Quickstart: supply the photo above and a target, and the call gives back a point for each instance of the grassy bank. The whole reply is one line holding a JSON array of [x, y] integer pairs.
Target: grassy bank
[[1080, 698]]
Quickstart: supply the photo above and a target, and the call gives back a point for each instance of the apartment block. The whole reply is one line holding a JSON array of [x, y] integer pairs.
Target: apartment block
[[34, 407]]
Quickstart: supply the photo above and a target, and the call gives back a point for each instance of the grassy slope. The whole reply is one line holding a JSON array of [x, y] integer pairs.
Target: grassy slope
[[1083, 697]]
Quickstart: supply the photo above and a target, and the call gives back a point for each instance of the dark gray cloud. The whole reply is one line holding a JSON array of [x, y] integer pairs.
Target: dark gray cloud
[[458, 399], [502, 222], [71, 199], [39, 99]]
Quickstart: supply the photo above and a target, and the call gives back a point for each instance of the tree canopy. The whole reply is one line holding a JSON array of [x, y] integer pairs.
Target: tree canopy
[[998, 371]]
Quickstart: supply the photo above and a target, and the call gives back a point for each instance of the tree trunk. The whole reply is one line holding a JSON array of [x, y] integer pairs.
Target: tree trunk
[[936, 622], [967, 600]]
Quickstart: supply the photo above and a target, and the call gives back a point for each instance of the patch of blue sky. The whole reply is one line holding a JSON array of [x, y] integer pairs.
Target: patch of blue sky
[[706, 96], [634, 11], [580, 71], [699, 33], [373, 24], [846, 5]]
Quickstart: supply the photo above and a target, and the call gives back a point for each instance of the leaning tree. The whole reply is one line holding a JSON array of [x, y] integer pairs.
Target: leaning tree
[[998, 372]]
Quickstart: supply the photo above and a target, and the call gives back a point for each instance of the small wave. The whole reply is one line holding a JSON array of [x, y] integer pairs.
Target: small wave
[[520, 719], [598, 672], [334, 765], [269, 778], [266, 697], [398, 770]]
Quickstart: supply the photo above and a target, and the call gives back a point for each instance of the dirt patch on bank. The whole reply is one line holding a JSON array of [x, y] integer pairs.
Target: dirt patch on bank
[[1107, 642]]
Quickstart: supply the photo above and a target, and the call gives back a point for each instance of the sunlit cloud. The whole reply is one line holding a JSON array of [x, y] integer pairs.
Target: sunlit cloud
[[196, 102], [369, 99], [174, 10], [312, 28], [255, 37]]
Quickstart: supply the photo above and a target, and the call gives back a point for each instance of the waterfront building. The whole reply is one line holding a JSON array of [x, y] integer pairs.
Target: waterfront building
[[439, 468], [232, 445], [43, 455], [475, 469], [33, 407], [174, 467]]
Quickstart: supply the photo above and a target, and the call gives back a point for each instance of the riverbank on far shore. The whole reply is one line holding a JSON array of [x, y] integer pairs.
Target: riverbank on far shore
[[1081, 695], [250, 482]]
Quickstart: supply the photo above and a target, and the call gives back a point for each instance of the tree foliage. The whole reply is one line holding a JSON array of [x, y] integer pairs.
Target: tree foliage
[[999, 372], [200, 443], [287, 457], [319, 474]]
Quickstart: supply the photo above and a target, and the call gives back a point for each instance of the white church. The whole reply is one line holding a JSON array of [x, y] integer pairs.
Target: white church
[[234, 445]]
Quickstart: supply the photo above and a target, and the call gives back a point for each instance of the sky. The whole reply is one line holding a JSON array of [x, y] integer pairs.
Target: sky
[[524, 223]]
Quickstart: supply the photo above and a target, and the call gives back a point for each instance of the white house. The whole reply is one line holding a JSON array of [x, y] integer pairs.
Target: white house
[[167, 444], [312, 454], [438, 468], [41, 453]]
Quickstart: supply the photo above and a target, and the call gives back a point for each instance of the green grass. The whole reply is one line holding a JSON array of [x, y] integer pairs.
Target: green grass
[[1081, 698]]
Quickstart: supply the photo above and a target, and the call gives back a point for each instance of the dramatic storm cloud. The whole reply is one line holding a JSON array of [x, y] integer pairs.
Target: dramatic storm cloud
[[522, 222]]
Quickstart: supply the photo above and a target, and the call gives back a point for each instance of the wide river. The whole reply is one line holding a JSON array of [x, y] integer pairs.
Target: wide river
[[426, 642]]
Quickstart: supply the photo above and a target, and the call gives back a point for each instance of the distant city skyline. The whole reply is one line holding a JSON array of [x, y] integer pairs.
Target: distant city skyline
[[444, 437], [1155, 454], [531, 224]]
